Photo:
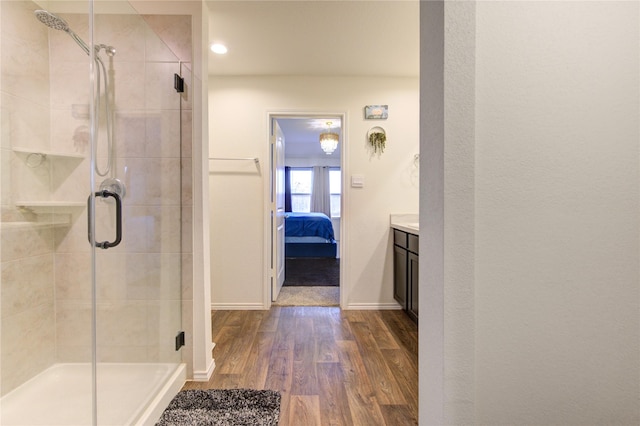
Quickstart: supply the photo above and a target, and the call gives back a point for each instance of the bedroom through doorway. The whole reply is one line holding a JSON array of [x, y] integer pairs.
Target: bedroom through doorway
[[306, 209]]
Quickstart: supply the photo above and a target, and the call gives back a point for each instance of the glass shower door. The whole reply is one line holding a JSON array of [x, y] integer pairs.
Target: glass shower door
[[45, 281], [138, 208], [90, 284]]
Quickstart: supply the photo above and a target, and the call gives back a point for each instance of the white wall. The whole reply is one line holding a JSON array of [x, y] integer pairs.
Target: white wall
[[239, 108], [557, 304], [554, 306]]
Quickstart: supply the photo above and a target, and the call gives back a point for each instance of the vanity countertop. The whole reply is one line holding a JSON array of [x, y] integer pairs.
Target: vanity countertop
[[405, 222]]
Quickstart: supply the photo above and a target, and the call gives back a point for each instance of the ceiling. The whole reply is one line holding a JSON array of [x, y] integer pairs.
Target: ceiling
[[307, 37], [314, 38], [302, 136]]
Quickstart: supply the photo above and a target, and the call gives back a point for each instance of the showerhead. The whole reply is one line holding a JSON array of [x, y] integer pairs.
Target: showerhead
[[51, 20], [57, 23]]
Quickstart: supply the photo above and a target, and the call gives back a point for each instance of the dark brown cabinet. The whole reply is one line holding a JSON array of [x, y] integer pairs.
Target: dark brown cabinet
[[405, 271], [412, 284], [400, 275]]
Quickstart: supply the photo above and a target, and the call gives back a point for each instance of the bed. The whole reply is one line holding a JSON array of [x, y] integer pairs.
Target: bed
[[308, 235]]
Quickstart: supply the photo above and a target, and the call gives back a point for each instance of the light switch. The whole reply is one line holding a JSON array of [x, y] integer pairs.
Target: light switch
[[357, 181]]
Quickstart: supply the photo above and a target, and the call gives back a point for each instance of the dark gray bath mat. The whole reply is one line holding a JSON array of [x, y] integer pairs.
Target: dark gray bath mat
[[222, 407]]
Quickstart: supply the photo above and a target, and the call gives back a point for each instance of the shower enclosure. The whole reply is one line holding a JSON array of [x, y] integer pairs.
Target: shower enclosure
[[95, 169]]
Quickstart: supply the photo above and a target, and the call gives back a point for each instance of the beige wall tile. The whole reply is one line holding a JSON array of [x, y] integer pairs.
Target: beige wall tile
[[70, 132], [124, 32], [69, 81], [159, 86], [81, 353], [166, 236], [25, 61], [187, 140], [187, 276], [130, 133], [187, 229], [122, 324], [26, 284], [21, 243], [70, 180], [106, 353], [151, 181], [187, 96], [73, 323], [164, 323], [157, 50], [187, 182], [167, 286], [28, 345], [73, 239], [129, 91], [163, 134], [27, 122], [73, 276], [175, 31], [5, 175]]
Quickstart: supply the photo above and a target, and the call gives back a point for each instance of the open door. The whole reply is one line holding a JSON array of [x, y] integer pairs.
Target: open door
[[277, 209]]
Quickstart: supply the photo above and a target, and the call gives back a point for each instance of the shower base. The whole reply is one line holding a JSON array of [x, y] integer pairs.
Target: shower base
[[128, 394]]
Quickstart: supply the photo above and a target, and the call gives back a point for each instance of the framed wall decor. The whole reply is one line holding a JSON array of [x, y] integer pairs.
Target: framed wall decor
[[376, 112]]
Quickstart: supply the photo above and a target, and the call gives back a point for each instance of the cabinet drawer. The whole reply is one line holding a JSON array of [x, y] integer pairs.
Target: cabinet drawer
[[413, 243], [400, 238]]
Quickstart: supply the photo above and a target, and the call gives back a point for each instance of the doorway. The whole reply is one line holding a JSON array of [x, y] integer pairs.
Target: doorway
[[305, 209]]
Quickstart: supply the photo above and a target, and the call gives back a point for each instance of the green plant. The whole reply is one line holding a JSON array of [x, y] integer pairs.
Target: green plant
[[378, 141]]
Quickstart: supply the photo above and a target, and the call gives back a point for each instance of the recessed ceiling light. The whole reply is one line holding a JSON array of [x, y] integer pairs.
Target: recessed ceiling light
[[218, 48]]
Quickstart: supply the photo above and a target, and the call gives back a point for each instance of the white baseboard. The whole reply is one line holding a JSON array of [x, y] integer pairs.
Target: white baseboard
[[204, 376], [373, 306], [260, 307], [237, 307]]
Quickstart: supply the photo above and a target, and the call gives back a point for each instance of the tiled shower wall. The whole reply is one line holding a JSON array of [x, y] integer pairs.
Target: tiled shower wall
[[27, 251], [46, 269]]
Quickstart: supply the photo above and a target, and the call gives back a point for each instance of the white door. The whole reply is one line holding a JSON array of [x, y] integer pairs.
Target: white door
[[277, 209]]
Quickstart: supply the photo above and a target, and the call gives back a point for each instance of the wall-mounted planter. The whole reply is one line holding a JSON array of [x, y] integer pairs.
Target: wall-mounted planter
[[377, 138]]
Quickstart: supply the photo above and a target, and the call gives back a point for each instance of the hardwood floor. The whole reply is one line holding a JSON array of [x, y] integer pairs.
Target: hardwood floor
[[331, 367]]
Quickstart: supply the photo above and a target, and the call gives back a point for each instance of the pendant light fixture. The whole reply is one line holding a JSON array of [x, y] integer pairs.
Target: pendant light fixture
[[329, 140]]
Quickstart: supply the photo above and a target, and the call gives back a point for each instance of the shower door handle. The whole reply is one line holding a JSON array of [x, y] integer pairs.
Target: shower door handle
[[105, 194]]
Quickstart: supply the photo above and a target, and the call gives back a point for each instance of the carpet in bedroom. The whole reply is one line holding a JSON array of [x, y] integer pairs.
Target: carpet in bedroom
[[222, 407], [312, 271]]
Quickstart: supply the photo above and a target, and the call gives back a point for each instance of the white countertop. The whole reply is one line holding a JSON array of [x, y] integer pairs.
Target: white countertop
[[405, 222]]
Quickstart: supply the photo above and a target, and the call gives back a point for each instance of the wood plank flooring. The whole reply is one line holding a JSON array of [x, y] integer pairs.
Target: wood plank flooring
[[331, 367]]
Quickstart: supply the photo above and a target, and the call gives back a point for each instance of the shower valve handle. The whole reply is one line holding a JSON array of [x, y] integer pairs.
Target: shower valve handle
[[106, 244]]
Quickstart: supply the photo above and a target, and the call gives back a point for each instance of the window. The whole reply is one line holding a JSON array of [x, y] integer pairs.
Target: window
[[302, 183], [301, 180], [334, 189]]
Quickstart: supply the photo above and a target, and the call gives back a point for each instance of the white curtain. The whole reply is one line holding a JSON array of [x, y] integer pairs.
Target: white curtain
[[320, 194]]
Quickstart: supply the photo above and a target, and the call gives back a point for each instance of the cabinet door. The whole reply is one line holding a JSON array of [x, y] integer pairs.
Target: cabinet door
[[412, 279], [400, 275]]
